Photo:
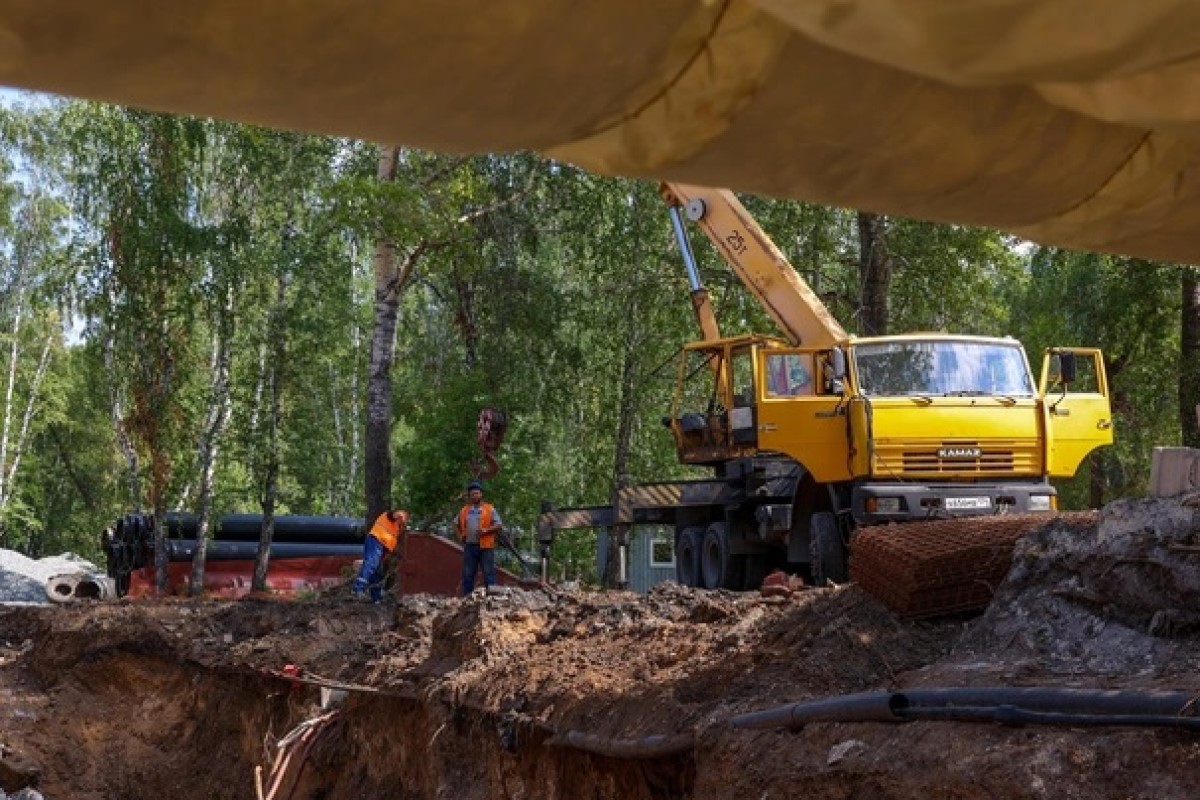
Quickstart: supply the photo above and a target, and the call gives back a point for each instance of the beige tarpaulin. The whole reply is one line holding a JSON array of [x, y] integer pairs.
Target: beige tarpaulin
[[1072, 122]]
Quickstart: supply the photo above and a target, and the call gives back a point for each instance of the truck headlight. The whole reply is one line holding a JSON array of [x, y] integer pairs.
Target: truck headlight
[[883, 505], [1041, 502]]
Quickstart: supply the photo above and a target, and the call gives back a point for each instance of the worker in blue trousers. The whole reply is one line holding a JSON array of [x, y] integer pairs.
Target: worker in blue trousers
[[380, 543], [478, 523]]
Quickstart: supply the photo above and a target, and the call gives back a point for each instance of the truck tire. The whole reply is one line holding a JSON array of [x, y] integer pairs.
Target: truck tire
[[719, 568], [687, 556], [757, 566], [828, 550]]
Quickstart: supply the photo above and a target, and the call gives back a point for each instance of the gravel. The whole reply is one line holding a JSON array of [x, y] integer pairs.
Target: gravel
[[23, 579]]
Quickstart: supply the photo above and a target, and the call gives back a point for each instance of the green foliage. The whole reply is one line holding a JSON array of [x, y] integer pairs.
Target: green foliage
[[950, 278], [73, 486], [435, 438], [1130, 309]]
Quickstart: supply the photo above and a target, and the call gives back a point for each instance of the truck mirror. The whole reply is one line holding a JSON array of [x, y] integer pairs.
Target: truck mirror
[[837, 364], [1066, 367]]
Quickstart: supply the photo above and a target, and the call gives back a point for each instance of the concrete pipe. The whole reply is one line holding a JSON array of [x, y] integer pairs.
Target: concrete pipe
[[79, 586]]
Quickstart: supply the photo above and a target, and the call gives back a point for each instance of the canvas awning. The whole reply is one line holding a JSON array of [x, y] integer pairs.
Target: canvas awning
[[1070, 122]]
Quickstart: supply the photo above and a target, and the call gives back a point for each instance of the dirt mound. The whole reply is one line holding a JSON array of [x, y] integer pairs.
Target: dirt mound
[[547, 694], [1116, 602]]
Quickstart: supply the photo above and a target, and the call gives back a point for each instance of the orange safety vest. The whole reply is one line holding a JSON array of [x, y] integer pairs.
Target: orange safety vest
[[387, 531], [487, 541]]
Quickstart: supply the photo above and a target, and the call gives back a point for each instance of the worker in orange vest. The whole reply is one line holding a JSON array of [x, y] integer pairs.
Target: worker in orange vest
[[380, 542], [478, 523]]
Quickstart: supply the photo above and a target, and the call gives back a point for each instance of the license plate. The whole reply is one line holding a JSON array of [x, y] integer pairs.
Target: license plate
[[967, 503]]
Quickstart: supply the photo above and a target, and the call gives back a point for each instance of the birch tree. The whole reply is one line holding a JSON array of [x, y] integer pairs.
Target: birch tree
[[32, 281]]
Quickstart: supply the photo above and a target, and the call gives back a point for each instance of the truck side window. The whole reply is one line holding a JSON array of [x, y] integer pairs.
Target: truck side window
[[789, 374], [743, 379], [1086, 380]]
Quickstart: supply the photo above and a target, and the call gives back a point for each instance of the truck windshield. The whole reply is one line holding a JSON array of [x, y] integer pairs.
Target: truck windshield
[[942, 368]]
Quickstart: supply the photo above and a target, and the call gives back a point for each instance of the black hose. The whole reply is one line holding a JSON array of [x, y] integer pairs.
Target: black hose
[[1012, 715], [1041, 698], [1035, 705], [870, 707], [658, 746]]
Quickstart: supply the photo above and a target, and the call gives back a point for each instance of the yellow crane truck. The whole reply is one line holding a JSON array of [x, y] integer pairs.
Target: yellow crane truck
[[815, 433]]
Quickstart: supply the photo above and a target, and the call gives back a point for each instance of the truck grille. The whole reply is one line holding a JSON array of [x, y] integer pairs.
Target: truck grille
[[957, 458]]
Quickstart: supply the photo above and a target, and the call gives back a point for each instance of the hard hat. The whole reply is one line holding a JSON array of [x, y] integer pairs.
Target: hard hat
[[474, 485]]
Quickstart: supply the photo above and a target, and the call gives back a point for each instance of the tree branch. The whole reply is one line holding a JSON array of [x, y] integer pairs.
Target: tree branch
[[499, 204], [19, 448]]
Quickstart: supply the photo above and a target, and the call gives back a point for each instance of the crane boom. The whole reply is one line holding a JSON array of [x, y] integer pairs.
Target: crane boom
[[758, 263]]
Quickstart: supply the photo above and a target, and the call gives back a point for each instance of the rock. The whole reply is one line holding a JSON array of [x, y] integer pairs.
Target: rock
[[332, 698], [25, 794], [1170, 623], [15, 772], [1111, 598], [841, 751], [780, 584]]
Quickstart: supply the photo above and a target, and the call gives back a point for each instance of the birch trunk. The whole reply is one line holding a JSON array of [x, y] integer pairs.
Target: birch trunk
[[351, 480], [262, 559], [8, 472], [377, 473], [124, 441], [620, 533], [336, 487], [210, 437], [18, 446], [10, 386]]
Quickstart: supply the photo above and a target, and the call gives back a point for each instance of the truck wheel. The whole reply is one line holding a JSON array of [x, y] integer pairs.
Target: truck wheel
[[719, 568], [687, 557], [828, 550], [757, 567]]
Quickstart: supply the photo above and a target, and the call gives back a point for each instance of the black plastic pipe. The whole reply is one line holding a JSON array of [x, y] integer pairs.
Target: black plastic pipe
[[1038, 705], [1012, 715], [870, 707], [656, 746], [248, 527], [184, 549], [1081, 701]]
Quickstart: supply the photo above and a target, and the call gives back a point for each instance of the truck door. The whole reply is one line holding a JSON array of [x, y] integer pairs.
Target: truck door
[[1076, 408], [798, 414], [712, 418], [743, 423]]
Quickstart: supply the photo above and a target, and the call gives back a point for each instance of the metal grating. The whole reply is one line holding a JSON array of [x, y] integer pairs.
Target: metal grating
[[923, 462], [926, 569], [1007, 459]]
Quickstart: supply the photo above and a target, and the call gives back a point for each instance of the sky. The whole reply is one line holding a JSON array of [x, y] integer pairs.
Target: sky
[[10, 97]]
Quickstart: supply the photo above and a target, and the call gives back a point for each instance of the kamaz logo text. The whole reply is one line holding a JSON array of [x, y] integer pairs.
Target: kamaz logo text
[[960, 452]]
